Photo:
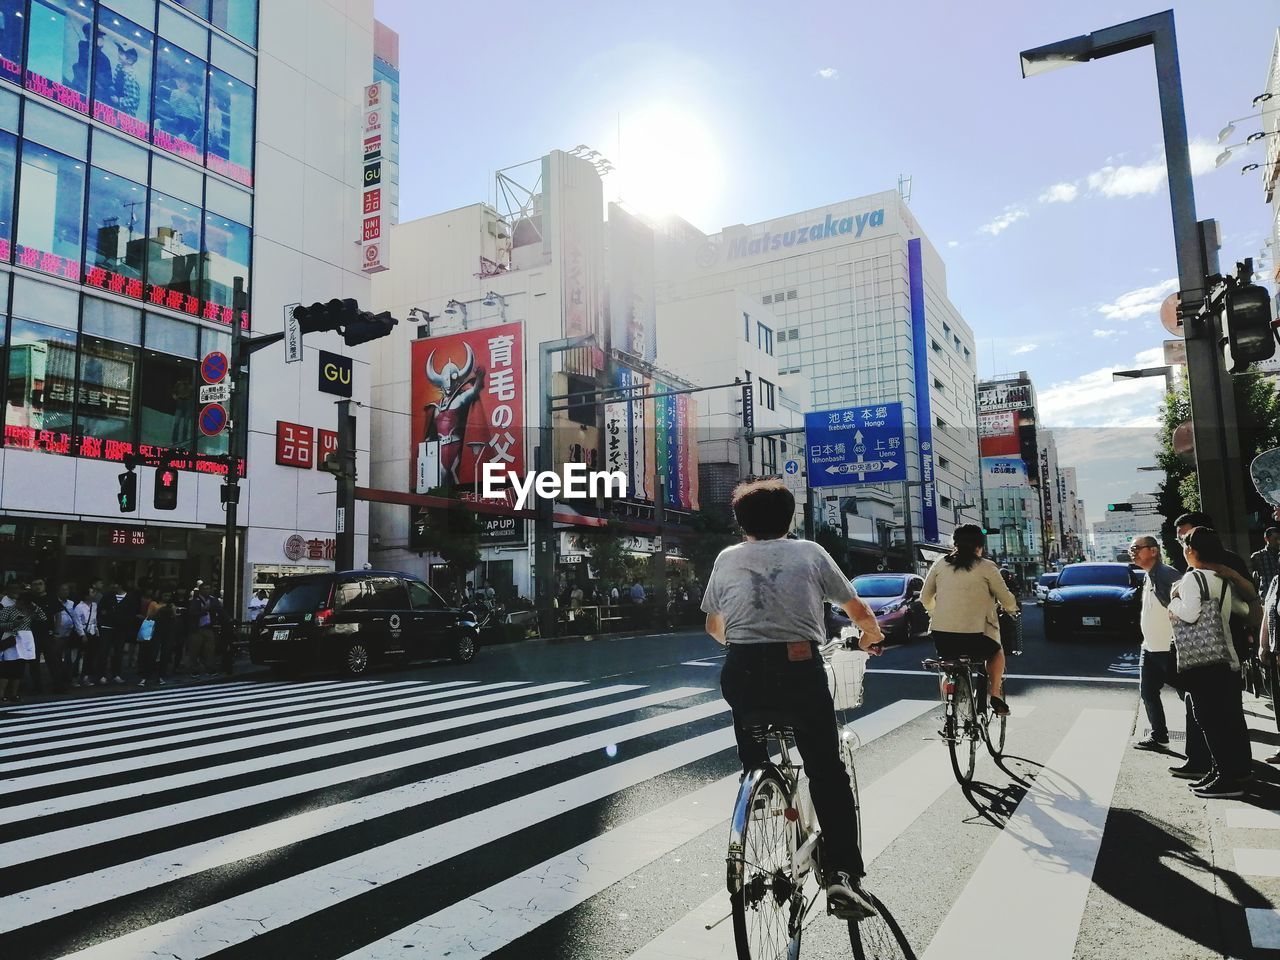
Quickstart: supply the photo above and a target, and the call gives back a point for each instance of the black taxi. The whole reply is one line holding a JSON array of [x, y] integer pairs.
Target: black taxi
[[354, 620]]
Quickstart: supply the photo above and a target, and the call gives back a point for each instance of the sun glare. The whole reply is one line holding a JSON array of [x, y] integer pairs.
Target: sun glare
[[669, 163]]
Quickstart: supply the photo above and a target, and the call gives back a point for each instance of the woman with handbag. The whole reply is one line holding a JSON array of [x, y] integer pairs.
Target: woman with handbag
[[1208, 669], [17, 642]]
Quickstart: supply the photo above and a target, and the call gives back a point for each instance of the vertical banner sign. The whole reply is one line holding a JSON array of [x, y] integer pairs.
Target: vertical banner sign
[[686, 450], [465, 388], [671, 428], [694, 459], [292, 335], [661, 441], [631, 297], [373, 223], [641, 478], [617, 437], [924, 415]]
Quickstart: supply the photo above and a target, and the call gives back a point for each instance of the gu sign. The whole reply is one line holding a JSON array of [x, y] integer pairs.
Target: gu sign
[[377, 121]]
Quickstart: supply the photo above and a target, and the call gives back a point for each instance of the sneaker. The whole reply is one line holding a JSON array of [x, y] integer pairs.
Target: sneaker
[[1152, 743], [846, 899], [87, 682], [1204, 781], [1274, 758], [75, 683], [1188, 772], [160, 682], [142, 682], [117, 679], [103, 681], [1220, 789], [197, 676]]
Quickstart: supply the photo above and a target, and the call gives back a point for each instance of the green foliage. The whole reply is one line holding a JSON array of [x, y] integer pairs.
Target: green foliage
[[1258, 415], [828, 537], [609, 557], [713, 534], [453, 533]]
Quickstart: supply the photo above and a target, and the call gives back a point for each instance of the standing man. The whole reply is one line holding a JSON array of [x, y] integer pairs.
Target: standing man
[[86, 619], [257, 603], [59, 638], [202, 643], [118, 622], [637, 592], [1265, 563], [1155, 661]]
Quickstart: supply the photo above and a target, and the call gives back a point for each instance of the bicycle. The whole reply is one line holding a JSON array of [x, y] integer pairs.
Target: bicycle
[[774, 858], [968, 716]]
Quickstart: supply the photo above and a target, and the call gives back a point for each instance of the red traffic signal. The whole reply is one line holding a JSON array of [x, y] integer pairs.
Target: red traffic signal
[[166, 491]]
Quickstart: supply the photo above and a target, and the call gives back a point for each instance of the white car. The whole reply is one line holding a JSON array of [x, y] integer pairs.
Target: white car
[[1044, 584]]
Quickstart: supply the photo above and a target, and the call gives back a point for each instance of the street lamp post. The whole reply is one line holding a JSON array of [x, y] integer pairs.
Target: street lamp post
[[1165, 371], [1218, 463]]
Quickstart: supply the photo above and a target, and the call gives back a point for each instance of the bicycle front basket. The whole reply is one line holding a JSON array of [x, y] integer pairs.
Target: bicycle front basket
[[845, 671]]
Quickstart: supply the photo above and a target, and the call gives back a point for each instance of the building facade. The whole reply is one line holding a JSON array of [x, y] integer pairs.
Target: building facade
[[166, 170], [859, 300], [1112, 534], [386, 67]]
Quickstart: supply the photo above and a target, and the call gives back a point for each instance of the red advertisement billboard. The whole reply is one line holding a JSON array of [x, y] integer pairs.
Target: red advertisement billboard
[[467, 394]]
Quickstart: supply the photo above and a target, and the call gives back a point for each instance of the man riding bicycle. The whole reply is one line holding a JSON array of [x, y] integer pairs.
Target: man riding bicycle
[[765, 601]]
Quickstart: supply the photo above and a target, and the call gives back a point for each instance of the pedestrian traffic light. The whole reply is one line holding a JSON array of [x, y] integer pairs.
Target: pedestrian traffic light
[[166, 494], [1247, 334], [128, 495], [1120, 507], [366, 326]]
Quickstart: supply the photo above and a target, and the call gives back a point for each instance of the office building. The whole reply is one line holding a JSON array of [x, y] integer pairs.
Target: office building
[[201, 168]]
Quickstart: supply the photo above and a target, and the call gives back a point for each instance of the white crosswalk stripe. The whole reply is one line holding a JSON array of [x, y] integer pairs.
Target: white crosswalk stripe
[[273, 820]]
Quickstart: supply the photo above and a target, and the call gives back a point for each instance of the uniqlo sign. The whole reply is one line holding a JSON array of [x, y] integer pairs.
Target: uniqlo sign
[[295, 445], [326, 443], [377, 114]]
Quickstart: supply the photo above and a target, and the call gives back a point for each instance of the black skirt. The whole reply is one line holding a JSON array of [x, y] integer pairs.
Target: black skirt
[[976, 646]]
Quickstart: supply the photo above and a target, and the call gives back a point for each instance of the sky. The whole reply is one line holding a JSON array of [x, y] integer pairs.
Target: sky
[[1046, 197]]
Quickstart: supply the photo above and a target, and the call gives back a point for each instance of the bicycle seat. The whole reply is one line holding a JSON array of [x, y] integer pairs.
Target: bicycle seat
[[761, 724], [949, 663]]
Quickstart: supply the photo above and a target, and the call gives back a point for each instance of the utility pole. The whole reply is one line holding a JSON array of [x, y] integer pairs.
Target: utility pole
[[237, 429], [907, 532], [345, 513], [660, 567]]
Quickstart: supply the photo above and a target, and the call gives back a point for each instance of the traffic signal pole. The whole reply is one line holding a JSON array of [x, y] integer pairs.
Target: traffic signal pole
[[237, 429], [345, 515]]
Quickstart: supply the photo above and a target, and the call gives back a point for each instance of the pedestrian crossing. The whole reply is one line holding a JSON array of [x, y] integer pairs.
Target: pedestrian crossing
[[412, 818]]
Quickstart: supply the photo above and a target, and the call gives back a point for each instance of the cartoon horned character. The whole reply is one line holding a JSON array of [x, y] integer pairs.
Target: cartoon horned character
[[447, 419]]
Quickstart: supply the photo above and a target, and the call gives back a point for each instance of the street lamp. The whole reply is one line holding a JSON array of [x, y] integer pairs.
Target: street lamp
[[1218, 462], [1166, 372]]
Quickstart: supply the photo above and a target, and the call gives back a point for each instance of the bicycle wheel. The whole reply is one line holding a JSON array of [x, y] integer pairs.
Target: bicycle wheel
[[879, 937], [993, 732], [766, 901], [963, 744], [846, 751]]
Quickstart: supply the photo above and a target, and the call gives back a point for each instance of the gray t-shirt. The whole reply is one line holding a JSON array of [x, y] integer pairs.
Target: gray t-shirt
[[772, 591]]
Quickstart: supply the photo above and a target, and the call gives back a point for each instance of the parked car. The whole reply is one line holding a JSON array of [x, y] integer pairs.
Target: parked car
[[1044, 584], [1094, 599], [351, 621], [895, 600]]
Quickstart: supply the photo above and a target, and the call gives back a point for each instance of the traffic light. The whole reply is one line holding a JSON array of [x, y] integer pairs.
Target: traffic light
[[128, 495], [166, 493], [322, 317], [1248, 335], [366, 326], [1120, 508]]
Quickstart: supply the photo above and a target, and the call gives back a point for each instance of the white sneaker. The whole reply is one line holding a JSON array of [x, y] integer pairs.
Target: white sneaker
[[142, 682], [87, 682], [117, 679], [103, 681], [160, 681], [846, 899]]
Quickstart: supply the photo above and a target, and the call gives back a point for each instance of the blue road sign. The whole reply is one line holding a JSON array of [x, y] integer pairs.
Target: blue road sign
[[855, 445], [214, 366], [792, 466], [213, 417]]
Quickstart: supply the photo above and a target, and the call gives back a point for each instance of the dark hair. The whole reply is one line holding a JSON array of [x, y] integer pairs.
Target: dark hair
[[1194, 519], [966, 541], [1207, 545], [1270, 530], [764, 508]]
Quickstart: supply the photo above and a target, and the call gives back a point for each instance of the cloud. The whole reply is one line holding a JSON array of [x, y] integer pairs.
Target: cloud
[[1060, 193], [1023, 348], [953, 243], [1145, 301], [1095, 400], [828, 73], [1105, 334], [1001, 223], [1129, 180]]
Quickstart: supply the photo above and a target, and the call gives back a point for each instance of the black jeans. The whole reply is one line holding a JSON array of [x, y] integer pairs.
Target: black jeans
[[110, 652], [1217, 735], [759, 678], [1155, 669]]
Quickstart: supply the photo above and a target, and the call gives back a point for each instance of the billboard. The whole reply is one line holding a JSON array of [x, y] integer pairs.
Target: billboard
[[467, 400], [630, 306], [1012, 395], [998, 434], [1004, 472], [373, 220]]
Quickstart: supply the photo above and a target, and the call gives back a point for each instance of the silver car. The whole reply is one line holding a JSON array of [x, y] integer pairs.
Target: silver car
[[1044, 584]]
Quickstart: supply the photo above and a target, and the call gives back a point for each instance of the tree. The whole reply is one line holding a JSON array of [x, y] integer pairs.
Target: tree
[[712, 533], [1258, 417], [607, 549], [452, 533], [829, 538]]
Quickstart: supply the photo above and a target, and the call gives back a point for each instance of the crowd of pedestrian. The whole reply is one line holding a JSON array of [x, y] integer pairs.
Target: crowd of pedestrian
[[1198, 629], [70, 638]]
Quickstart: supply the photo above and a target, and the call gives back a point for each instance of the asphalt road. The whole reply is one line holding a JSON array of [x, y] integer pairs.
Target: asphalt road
[[569, 800]]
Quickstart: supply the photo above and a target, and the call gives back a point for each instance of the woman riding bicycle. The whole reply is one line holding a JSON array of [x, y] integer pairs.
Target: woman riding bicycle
[[961, 593], [765, 601]]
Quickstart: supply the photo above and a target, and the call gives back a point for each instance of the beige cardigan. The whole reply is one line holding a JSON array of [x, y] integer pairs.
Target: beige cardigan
[[964, 601]]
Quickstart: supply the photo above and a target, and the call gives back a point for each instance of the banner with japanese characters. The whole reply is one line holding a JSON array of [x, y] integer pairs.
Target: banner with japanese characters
[[373, 221], [467, 395]]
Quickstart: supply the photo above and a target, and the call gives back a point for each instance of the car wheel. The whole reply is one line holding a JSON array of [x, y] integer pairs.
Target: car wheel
[[464, 648], [355, 659]]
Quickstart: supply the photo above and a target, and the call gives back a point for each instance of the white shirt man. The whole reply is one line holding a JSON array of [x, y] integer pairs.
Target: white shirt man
[[1155, 664]]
